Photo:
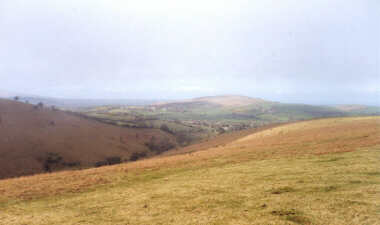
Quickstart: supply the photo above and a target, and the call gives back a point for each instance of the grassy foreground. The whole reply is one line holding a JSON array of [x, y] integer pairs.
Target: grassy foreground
[[316, 172]]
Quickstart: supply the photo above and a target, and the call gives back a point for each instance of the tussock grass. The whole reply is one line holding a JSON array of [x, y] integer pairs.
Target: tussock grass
[[271, 181]]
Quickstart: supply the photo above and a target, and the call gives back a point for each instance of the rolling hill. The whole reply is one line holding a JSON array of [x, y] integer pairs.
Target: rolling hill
[[39, 139], [235, 107], [72, 103], [314, 172], [198, 119], [223, 100]]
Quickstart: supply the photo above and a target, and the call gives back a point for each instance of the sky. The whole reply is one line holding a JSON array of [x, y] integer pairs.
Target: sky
[[315, 51]]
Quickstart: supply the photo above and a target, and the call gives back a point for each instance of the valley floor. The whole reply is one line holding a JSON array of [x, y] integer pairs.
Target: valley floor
[[315, 172]]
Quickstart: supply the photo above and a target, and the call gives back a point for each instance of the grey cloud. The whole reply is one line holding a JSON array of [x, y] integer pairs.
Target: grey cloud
[[315, 51]]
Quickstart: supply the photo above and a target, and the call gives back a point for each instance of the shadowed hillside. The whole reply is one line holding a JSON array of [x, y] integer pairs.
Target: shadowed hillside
[[37, 139]]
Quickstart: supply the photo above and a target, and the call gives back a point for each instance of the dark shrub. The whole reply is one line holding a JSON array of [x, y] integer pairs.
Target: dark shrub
[[101, 163], [166, 129], [113, 160], [137, 155], [71, 164], [184, 138], [159, 147], [51, 160], [221, 130], [40, 105]]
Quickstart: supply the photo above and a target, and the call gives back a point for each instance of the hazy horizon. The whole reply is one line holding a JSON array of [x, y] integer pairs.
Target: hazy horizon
[[314, 52]]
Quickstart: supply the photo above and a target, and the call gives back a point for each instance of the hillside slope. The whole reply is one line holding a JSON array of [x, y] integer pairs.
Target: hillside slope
[[30, 135], [314, 172]]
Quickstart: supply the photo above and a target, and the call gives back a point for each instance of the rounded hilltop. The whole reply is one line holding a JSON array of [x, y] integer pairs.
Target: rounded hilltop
[[230, 100], [222, 100]]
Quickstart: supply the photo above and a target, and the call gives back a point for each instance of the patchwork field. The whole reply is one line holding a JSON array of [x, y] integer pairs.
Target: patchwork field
[[193, 120], [314, 172]]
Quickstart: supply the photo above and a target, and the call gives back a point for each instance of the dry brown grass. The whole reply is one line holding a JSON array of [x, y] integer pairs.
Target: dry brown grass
[[329, 189]]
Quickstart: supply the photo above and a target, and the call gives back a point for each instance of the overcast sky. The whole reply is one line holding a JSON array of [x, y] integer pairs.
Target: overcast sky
[[315, 51]]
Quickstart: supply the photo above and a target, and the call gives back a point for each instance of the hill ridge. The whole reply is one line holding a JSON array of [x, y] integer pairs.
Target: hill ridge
[[222, 100]]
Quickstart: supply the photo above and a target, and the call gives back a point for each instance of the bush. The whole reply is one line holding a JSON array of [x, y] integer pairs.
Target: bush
[[159, 147], [109, 161], [184, 138], [166, 129], [113, 160], [101, 163], [72, 164], [40, 105], [137, 155], [52, 160]]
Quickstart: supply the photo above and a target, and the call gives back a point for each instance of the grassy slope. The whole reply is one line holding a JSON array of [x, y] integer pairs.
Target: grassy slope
[[315, 172], [28, 134]]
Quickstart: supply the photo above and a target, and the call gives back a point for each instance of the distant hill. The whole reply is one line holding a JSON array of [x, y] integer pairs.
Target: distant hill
[[242, 108], [31, 136], [359, 109], [83, 103], [73, 104], [223, 100]]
